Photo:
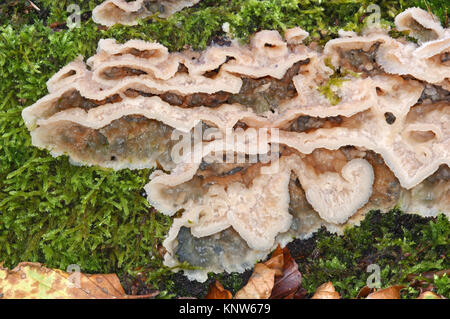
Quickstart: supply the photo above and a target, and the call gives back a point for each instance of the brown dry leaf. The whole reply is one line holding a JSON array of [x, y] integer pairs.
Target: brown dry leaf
[[276, 278], [326, 291], [217, 291], [364, 292], [392, 292], [429, 295], [259, 285], [276, 262], [300, 294], [286, 285], [33, 281]]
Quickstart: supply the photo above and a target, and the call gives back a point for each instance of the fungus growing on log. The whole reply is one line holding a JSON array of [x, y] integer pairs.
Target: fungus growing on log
[[126, 12], [421, 25], [322, 136]]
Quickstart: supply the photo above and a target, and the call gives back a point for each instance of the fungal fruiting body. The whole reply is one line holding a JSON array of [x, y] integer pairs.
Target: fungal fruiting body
[[257, 144], [126, 12]]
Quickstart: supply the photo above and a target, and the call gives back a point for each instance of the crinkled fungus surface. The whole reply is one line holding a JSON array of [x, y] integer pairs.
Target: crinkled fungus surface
[[127, 12], [312, 136]]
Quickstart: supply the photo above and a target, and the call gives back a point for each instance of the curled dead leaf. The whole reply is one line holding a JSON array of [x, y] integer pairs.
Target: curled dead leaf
[[217, 291], [326, 291], [276, 262], [260, 284], [429, 295], [364, 292], [277, 278], [392, 292], [33, 281], [287, 285]]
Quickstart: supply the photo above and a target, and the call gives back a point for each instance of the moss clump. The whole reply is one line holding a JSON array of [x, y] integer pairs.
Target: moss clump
[[328, 90], [59, 214], [198, 25], [399, 244], [335, 81]]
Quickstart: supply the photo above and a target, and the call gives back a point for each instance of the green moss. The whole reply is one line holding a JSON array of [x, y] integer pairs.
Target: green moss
[[51, 211], [59, 214], [335, 81], [443, 285], [328, 90], [399, 244], [196, 26]]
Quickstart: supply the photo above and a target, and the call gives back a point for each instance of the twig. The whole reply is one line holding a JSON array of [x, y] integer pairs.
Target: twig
[[446, 18], [429, 274], [148, 296], [33, 5]]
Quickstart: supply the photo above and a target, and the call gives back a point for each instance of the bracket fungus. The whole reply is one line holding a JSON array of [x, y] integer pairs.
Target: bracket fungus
[[322, 136], [420, 24], [336, 196], [126, 12]]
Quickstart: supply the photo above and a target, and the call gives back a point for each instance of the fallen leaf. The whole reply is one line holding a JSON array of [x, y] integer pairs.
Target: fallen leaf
[[33, 281], [217, 291], [364, 292], [277, 278], [392, 292], [300, 294], [429, 295], [287, 285], [326, 291], [260, 284], [276, 262]]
